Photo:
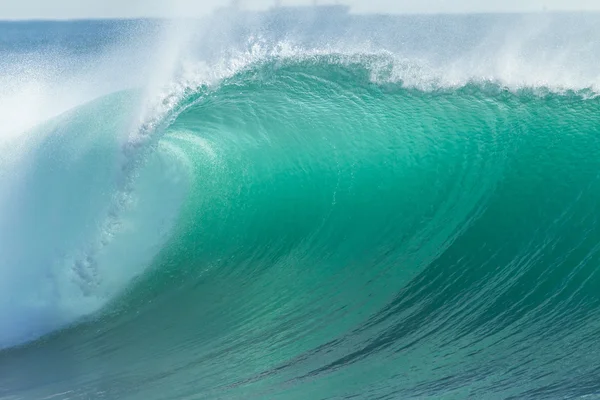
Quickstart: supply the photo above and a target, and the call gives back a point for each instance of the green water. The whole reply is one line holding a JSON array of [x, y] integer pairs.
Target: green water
[[342, 236]]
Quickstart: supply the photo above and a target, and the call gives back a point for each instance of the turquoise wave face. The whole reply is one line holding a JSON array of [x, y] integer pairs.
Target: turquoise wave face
[[341, 236]]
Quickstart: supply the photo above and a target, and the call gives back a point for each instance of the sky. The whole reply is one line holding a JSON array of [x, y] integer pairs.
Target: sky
[[69, 9]]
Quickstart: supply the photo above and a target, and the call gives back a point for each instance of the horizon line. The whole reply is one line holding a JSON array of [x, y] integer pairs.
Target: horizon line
[[374, 13]]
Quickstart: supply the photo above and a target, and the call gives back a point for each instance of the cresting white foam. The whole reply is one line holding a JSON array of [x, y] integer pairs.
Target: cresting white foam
[[49, 282]]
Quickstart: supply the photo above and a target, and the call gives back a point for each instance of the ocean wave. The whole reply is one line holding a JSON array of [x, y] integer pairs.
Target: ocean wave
[[286, 220]]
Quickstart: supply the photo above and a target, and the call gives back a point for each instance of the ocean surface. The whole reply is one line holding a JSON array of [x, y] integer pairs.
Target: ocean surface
[[301, 206]]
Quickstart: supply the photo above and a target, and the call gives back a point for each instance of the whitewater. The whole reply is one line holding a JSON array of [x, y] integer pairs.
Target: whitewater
[[299, 204]]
